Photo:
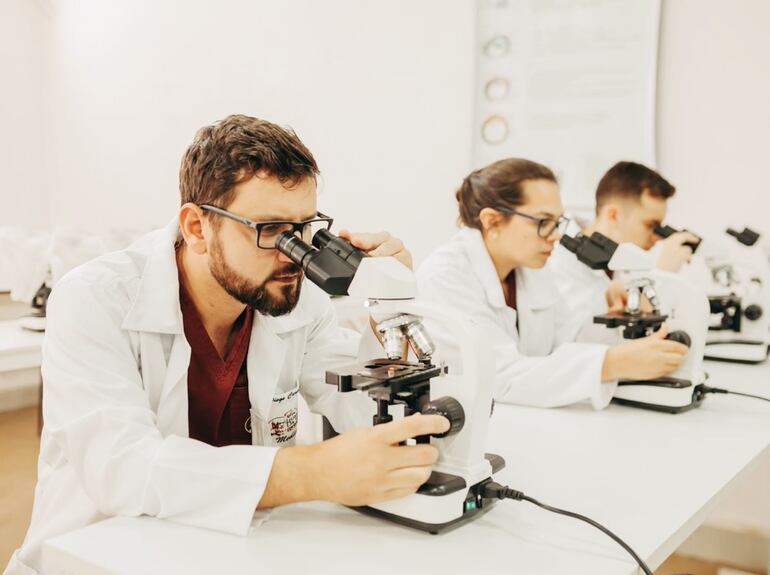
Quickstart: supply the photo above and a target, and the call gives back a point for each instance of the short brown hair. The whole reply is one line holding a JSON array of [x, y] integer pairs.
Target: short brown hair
[[235, 149], [630, 180], [498, 184]]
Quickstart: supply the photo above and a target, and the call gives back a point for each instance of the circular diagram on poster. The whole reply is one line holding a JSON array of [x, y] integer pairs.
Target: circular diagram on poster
[[497, 88], [494, 130], [497, 46]]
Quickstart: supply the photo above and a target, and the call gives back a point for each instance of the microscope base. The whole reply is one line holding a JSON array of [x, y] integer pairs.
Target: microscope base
[[697, 399], [470, 504], [32, 322], [737, 351]]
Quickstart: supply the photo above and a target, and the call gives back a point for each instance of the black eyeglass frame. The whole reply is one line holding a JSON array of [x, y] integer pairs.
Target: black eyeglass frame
[[557, 223], [296, 227]]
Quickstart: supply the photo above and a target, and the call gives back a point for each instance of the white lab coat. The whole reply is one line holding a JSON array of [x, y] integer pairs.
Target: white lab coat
[[115, 360], [538, 364], [578, 285], [582, 288]]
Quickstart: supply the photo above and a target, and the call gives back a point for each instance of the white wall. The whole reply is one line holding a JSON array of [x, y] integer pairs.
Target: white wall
[[23, 38], [714, 145], [714, 112], [381, 91]]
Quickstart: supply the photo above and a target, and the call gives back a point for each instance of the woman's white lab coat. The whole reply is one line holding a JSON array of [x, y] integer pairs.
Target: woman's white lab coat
[[538, 363], [115, 440]]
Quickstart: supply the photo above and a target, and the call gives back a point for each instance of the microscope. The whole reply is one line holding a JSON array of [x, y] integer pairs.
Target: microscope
[[672, 300], [750, 248], [737, 280], [36, 320], [739, 296], [452, 495]]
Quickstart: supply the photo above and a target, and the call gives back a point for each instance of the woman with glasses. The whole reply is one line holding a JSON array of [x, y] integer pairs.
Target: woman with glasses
[[494, 270]]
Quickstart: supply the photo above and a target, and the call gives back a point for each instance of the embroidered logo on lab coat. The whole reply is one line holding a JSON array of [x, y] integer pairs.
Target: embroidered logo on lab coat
[[280, 427], [284, 428]]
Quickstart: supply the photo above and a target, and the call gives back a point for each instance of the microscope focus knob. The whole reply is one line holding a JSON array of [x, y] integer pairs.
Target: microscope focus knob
[[681, 337], [450, 408], [753, 312]]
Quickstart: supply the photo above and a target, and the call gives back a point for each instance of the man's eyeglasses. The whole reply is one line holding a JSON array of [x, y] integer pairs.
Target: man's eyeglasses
[[267, 232], [545, 226]]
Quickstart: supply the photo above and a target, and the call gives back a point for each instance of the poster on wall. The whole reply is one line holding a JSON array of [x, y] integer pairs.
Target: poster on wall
[[568, 83]]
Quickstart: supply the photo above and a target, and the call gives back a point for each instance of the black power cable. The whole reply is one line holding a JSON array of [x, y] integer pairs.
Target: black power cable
[[707, 389], [493, 490]]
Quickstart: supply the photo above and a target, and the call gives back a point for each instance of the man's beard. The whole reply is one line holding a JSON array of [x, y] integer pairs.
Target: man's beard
[[256, 296]]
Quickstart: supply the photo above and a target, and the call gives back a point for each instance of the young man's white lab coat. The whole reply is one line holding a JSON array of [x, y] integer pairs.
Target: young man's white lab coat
[[115, 440], [579, 286], [538, 363]]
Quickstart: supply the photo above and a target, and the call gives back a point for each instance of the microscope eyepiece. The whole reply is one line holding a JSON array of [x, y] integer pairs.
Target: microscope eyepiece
[[293, 247], [595, 250], [666, 231], [572, 244], [343, 249], [747, 237]]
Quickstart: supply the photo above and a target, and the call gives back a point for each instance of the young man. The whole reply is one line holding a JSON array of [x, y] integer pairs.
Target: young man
[[171, 369], [631, 199]]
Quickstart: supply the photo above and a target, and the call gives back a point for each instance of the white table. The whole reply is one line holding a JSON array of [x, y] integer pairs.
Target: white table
[[747, 509], [20, 357], [19, 348], [650, 477]]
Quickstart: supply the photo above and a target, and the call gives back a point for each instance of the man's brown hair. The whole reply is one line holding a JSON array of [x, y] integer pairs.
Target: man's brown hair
[[235, 149], [498, 184], [630, 180]]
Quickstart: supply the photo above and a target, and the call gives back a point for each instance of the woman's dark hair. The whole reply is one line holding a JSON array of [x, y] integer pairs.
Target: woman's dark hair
[[498, 184]]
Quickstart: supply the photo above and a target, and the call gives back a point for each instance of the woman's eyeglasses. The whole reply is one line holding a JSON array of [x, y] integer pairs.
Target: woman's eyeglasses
[[545, 226]]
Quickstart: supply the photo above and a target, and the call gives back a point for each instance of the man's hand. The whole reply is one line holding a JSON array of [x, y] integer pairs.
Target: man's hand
[[380, 244], [367, 465], [359, 467], [644, 358], [617, 297], [673, 253]]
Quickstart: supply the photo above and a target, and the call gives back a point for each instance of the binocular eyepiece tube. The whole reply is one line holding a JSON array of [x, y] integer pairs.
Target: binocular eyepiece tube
[[330, 263]]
